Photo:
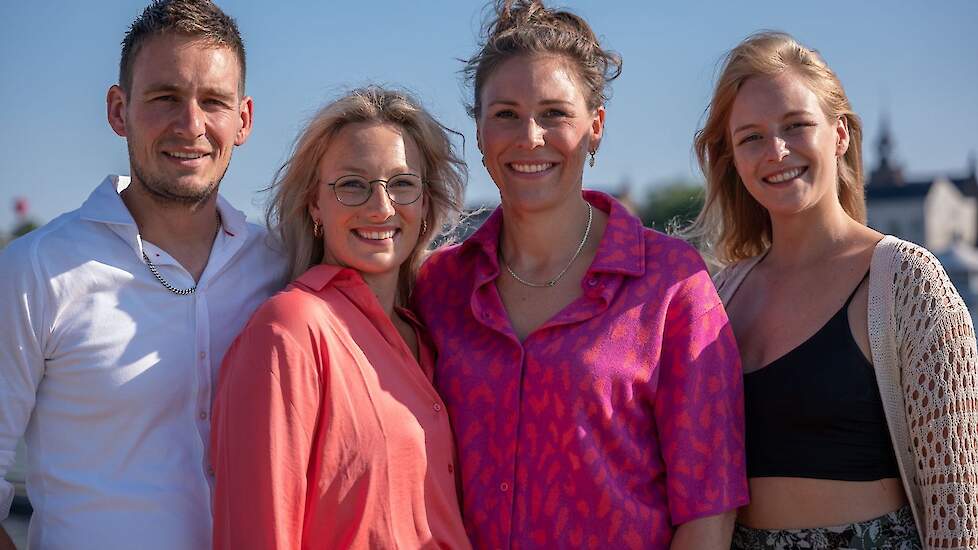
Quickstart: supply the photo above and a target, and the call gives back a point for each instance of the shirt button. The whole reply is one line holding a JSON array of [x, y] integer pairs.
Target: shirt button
[[437, 407], [451, 469], [203, 415], [210, 471], [202, 355], [504, 486]]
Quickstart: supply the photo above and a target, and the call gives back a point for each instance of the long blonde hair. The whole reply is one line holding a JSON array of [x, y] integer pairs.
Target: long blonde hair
[[732, 225], [294, 187]]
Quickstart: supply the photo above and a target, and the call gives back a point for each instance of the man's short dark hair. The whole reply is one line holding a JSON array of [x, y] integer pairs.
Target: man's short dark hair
[[193, 18]]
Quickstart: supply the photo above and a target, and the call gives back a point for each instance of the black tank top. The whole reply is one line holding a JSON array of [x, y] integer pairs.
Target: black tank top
[[816, 411]]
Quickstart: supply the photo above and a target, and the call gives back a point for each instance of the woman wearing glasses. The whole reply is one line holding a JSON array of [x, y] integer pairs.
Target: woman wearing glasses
[[589, 368], [327, 432]]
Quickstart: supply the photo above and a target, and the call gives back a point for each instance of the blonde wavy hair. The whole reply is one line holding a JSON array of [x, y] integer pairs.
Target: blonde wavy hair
[[294, 187], [732, 225]]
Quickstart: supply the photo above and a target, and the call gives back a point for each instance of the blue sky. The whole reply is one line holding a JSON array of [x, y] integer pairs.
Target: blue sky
[[916, 60]]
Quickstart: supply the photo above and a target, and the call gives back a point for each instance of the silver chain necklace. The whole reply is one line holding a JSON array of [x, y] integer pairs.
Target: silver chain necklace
[[166, 284], [552, 282]]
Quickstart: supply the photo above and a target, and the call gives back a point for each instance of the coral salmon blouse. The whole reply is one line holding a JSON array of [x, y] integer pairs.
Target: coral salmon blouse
[[615, 421], [326, 431]]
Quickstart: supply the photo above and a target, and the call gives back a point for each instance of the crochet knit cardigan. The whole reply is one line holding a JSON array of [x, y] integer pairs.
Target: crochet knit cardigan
[[923, 348]]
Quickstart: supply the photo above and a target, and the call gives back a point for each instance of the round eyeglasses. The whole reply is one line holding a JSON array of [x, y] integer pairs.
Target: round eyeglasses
[[355, 190]]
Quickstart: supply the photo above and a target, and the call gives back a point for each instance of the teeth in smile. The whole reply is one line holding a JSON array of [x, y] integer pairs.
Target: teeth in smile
[[376, 235], [186, 155], [531, 168], [785, 176]]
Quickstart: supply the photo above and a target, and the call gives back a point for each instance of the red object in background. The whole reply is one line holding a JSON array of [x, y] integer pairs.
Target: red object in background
[[20, 207]]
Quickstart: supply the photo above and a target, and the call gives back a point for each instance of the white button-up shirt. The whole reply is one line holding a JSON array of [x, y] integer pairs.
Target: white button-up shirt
[[111, 374]]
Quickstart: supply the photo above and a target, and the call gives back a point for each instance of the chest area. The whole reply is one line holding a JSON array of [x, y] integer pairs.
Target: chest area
[[772, 318], [816, 410], [380, 407], [122, 349], [528, 308], [589, 365]]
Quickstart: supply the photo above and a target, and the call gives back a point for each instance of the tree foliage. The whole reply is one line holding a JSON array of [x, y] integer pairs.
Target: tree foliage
[[672, 205], [24, 228]]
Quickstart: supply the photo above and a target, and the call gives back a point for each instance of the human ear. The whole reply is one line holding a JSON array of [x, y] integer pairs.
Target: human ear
[[478, 137], [597, 128], [842, 136], [115, 109], [312, 203], [246, 110], [313, 210]]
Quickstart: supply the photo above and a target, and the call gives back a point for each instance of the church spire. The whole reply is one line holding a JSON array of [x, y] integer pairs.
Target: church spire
[[887, 172]]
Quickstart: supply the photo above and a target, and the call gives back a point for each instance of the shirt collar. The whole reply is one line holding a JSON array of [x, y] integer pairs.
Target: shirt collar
[[105, 205], [233, 221], [486, 237], [318, 277], [622, 248]]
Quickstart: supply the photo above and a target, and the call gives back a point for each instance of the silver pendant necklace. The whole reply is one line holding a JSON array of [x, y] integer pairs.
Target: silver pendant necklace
[[553, 282], [166, 284]]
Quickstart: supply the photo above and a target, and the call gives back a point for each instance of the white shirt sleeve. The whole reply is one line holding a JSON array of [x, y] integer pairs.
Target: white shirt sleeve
[[21, 354]]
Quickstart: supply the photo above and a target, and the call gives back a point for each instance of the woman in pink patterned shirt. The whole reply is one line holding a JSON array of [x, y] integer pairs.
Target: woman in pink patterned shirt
[[590, 373]]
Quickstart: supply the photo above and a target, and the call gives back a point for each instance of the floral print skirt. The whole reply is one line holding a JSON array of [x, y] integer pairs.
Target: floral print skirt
[[893, 531]]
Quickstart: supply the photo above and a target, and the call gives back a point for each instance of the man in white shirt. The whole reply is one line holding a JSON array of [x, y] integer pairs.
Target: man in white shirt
[[115, 316]]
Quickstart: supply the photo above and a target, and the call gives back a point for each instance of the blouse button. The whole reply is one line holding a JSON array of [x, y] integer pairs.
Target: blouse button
[[437, 407], [451, 469], [504, 486]]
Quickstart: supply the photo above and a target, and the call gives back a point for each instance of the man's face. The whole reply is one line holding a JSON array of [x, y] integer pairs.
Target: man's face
[[182, 117]]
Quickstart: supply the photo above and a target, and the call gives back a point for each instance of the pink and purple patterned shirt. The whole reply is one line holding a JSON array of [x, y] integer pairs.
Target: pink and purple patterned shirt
[[612, 423]]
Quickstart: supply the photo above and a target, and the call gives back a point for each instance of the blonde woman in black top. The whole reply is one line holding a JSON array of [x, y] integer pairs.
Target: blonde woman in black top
[[859, 357]]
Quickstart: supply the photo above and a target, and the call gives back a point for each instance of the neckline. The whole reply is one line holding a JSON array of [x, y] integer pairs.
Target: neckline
[[843, 311]]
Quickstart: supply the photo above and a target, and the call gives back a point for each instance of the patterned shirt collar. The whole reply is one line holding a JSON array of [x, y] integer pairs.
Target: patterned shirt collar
[[622, 248]]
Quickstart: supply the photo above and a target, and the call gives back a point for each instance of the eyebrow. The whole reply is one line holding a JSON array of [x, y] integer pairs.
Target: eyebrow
[[511, 102], [211, 92], [789, 114], [350, 170]]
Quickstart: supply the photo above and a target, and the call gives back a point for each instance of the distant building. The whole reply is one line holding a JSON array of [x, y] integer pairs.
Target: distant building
[[961, 263], [939, 213]]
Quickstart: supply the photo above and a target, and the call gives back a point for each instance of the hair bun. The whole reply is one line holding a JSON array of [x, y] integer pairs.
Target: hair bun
[[527, 27]]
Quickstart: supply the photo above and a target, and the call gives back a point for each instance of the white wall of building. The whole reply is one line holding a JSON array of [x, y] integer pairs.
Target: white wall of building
[[902, 218], [949, 216]]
